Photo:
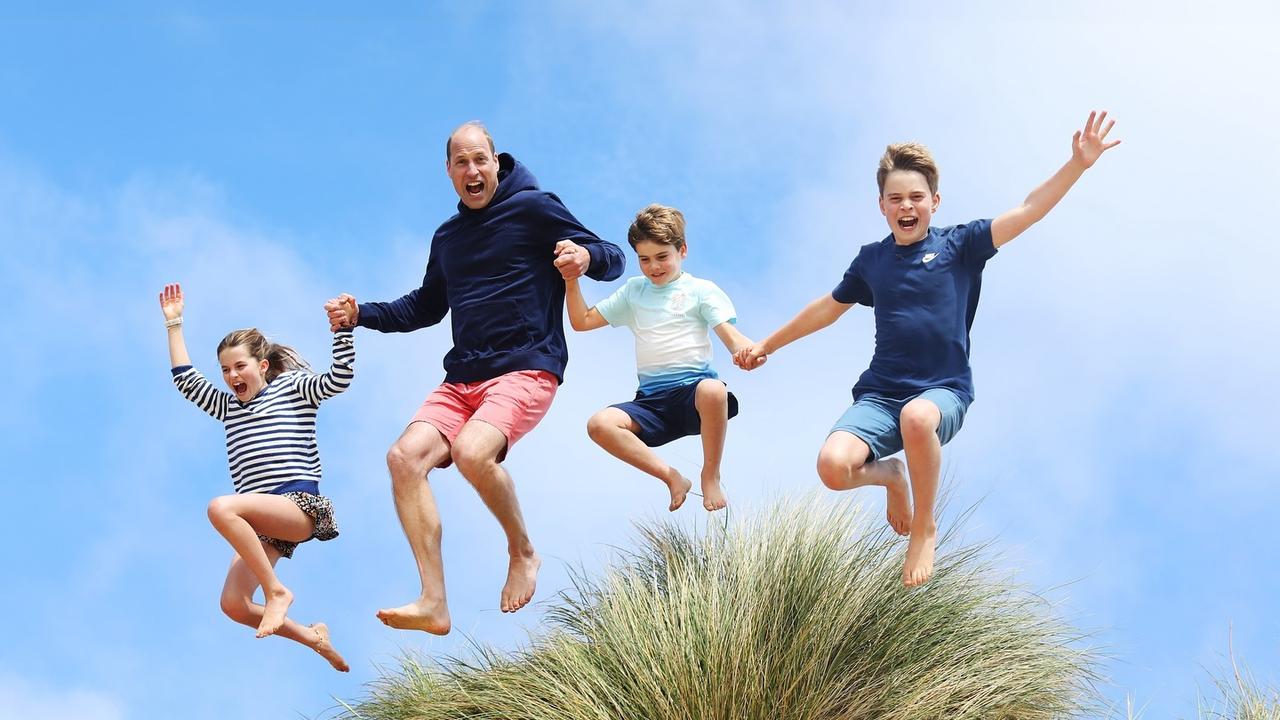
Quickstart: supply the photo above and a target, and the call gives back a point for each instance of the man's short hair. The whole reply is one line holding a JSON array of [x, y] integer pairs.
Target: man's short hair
[[660, 224], [908, 156], [448, 143]]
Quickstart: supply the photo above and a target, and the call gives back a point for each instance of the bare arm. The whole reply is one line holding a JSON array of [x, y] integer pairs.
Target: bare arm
[[581, 318], [1086, 147], [732, 338], [816, 315], [171, 305]]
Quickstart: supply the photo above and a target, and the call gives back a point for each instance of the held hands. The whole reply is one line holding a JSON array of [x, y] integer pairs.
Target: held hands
[[571, 259], [750, 357], [343, 312], [171, 301], [1088, 145]]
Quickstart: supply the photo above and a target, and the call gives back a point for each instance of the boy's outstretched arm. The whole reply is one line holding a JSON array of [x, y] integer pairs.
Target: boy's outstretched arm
[[171, 305], [1087, 146], [581, 317], [732, 337], [816, 315]]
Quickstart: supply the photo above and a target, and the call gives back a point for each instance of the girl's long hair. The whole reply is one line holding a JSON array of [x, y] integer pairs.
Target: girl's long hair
[[280, 358]]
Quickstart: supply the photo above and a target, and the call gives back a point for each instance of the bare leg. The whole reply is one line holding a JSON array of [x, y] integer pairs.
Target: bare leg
[[420, 448], [239, 518], [475, 451], [843, 465], [919, 422], [615, 431], [712, 402], [238, 604]]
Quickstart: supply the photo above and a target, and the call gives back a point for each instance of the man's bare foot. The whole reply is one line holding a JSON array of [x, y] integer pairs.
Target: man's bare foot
[[277, 606], [427, 616], [898, 497], [679, 486], [919, 565], [322, 645], [522, 578], [712, 496]]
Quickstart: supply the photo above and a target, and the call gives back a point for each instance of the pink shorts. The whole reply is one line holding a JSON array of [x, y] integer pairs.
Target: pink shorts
[[514, 403]]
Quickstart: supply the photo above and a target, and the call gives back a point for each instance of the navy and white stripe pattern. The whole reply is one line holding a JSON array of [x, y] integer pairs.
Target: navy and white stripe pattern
[[271, 440]]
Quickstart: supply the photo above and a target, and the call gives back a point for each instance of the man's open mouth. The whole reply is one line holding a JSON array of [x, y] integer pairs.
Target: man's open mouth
[[475, 188], [908, 223]]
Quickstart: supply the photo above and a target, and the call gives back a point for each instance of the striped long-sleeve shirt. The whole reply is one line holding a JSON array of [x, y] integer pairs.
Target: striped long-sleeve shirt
[[271, 440]]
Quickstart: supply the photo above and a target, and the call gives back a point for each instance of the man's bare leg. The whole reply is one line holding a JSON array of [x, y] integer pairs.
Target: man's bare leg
[[711, 400], [420, 448], [843, 465], [238, 604], [240, 519], [475, 451], [919, 423], [615, 431]]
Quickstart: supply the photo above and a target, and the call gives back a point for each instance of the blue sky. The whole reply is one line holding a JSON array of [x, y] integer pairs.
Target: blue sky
[[1120, 445]]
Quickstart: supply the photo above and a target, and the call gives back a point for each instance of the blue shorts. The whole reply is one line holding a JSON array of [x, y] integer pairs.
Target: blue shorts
[[874, 419], [668, 415]]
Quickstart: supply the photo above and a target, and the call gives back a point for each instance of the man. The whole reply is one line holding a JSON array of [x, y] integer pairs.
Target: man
[[499, 267]]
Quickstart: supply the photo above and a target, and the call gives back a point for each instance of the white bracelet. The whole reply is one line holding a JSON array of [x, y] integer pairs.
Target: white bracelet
[[174, 322]]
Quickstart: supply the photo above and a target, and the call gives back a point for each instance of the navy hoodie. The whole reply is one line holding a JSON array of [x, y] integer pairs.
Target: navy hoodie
[[493, 269]]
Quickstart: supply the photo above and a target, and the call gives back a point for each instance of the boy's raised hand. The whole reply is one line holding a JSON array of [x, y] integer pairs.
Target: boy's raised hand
[[1088, 145], [572, 260], [171, 301], [343, 312]]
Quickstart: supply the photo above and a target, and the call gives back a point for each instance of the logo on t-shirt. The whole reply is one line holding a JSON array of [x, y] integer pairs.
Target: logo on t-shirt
[[678, 303], [929, 256]]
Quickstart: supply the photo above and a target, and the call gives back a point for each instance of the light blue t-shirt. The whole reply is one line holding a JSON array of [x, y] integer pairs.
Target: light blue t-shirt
[[670, 323]]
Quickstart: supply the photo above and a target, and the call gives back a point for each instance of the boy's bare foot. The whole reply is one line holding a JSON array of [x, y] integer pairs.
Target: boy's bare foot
[[277, 606], [919, 565], [898, 497], [427, 616], [712, 496], [522, 578], [322, 645], [679, 486]]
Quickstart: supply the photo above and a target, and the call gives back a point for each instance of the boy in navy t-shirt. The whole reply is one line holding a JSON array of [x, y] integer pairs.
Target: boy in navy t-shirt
[[923, 283]]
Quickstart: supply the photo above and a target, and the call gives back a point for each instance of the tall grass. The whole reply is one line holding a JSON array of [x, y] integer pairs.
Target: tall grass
[[797, 613]]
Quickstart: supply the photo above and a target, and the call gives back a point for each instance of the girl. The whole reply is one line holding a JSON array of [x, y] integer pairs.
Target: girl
[[270, 419]]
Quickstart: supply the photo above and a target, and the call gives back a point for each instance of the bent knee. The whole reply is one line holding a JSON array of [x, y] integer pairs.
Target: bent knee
[[919, 418], [220, 509], [236, 607], [835, 467], [598, 425], [711, 393], [470, 459]]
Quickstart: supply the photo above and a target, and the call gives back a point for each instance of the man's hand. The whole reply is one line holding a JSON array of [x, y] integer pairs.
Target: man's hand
[[751, 357], [1088, 145], [572, 259], [343, 312]]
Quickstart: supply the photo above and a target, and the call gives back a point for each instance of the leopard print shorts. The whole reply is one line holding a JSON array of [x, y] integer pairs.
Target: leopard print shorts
[[320, 509]]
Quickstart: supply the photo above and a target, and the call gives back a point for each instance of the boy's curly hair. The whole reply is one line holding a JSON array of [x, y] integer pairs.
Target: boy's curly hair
[[908, 156], [660, 224]]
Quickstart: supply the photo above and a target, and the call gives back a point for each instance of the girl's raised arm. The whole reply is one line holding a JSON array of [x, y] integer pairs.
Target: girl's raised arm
[[171, 305]]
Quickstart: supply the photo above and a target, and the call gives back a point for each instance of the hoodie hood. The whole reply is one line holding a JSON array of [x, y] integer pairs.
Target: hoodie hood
[[513, 177]]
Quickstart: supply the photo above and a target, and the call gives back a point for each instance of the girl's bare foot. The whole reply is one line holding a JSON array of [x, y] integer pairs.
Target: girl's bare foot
[[679, 486], [325, 648], [899, 496], [425, 615], [919, 565], [522, 578], [712, 496], [277, 606]]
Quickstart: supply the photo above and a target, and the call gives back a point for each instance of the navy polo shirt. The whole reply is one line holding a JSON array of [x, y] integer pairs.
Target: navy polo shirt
[[925, 296]]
